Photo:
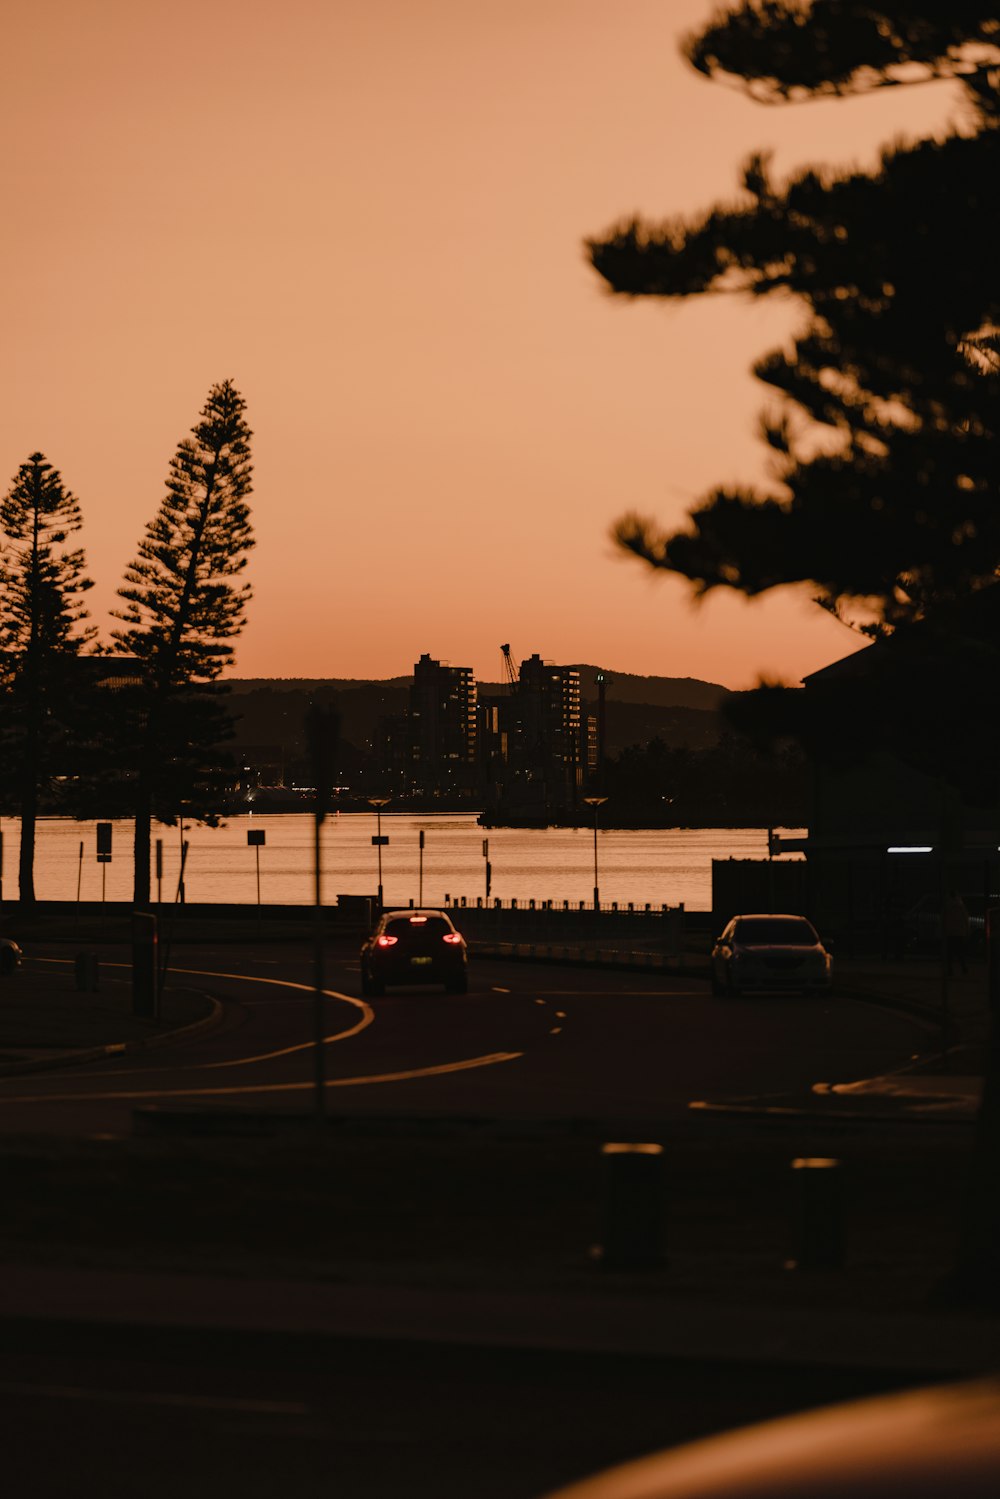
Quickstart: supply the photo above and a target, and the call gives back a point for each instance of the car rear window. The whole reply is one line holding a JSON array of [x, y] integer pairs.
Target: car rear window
[[785, 931], [430, 926]]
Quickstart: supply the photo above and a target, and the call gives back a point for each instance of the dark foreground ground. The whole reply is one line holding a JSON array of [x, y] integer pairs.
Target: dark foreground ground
[[386, 1311], [413, 1306]]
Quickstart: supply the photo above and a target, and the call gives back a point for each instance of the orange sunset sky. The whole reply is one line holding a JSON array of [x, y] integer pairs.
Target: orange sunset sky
[[369, 214]]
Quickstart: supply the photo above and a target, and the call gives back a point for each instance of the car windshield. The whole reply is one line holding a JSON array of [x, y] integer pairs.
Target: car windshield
[[415, 926], [781, 931]]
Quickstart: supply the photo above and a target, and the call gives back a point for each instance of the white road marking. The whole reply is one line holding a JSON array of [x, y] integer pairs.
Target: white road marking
[[498, 990], [556, 1029], [337, 1082], [367, 1015]]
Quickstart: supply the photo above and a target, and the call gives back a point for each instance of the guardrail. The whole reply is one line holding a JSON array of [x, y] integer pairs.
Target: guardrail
[[659, 929], [579, 953]]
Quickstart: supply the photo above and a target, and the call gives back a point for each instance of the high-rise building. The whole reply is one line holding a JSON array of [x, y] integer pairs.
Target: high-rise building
[[442, 723], [550, 747]]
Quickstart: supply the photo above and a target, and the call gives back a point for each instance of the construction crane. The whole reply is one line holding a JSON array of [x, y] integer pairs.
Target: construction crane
[[509, 668]]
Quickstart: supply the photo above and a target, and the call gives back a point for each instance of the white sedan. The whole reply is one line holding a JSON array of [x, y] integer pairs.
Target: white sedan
[[760, 954]]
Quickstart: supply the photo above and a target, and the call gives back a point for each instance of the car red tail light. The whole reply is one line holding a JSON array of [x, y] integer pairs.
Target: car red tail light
[[385, 941], [453, 936]]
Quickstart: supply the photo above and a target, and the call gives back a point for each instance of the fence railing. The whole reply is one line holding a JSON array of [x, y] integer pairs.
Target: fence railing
[[658, 928]]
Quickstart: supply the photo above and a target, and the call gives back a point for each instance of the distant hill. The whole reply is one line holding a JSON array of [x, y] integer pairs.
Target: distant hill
[[680, 710], [624, 687]]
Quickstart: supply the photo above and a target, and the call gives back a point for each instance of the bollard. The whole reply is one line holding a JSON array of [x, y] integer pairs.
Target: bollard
[[633, 1224], [819, 1212]]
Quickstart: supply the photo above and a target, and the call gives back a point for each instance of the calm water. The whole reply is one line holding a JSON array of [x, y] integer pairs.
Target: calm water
[[663, 866]]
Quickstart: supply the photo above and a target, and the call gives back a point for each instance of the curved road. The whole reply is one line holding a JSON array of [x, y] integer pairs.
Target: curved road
[[528, 1041]]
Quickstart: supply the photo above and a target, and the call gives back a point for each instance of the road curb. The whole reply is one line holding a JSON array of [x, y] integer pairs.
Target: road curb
[[187, 1032]]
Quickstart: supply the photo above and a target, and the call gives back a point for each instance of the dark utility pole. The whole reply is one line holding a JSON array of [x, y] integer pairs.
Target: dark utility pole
[[322, 728]]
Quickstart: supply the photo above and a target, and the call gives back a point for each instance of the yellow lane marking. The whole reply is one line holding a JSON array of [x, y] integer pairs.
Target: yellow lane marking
[[336, 1082], [367, 1015]]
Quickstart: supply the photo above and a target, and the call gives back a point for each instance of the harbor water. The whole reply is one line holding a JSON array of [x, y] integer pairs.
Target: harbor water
[[663, 866]]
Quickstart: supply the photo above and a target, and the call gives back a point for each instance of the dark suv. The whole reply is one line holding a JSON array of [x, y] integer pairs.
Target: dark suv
[[414, 947]]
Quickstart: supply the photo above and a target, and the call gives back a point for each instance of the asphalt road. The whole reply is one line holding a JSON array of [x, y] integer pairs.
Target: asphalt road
[[528, 1041], [163, 1412], [121, 1413]]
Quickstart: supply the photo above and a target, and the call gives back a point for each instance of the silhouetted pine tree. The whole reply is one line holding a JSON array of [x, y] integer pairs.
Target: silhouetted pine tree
[[183, 604], [896, 273], [42, 581], [780, 50], [897, 364]]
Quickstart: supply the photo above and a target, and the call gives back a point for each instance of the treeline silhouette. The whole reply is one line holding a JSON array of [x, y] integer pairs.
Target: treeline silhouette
[[730, 784], [131, 728]]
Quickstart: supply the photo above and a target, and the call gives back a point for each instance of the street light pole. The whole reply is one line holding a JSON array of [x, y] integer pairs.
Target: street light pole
[[378, 802], [595, 802]]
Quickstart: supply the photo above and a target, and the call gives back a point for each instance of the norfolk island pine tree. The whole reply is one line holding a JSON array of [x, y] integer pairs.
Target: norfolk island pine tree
[[895, 272], [41, 631], [898, 359], [183, 602]]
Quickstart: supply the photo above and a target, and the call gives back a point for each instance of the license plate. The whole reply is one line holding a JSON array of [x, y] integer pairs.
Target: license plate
[[416, 961]]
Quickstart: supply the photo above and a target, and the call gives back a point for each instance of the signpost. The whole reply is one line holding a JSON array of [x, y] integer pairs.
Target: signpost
[[104, 853], [489, 868], [420, 897], [159, 871], [256, 838]]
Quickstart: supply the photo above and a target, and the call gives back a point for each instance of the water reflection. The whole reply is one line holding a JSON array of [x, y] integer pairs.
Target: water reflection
[[659, 866]]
